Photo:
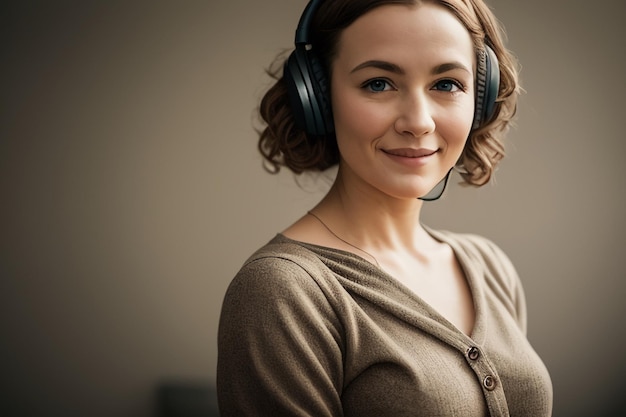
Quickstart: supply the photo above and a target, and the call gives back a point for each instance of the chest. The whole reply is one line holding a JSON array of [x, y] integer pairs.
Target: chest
[[433, 380], [441, 283], [414, 365]]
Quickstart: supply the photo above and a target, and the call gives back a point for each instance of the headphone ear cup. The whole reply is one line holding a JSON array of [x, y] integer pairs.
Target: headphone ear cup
[[296, 89], [321, 94], [307, 88], [487, 86]]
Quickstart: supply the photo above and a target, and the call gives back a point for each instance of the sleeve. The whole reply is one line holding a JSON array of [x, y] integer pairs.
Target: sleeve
[[279, 349]]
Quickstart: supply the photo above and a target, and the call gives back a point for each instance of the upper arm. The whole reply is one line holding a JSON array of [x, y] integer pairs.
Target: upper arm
[[279, 348]]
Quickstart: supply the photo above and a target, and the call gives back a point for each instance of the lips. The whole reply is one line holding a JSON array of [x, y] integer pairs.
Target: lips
[[410, 152]]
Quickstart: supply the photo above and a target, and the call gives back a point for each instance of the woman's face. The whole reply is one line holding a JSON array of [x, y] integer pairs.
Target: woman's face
[[402, 90]]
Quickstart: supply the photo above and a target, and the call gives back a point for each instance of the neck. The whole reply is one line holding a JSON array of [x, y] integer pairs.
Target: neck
[[372, 220]]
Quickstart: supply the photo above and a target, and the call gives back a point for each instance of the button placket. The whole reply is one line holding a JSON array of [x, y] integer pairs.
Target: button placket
[[487, 378]]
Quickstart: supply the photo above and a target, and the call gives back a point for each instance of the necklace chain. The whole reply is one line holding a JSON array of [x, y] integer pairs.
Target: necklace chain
[[343, 240]]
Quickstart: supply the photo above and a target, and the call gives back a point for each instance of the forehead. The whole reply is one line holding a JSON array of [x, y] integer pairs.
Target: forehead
[[425, 31]]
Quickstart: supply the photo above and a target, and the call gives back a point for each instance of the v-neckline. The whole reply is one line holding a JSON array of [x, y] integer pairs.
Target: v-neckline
[[476, 290], [476, 336]]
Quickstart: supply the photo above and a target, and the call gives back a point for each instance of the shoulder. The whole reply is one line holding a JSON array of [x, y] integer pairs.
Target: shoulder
[[279, 259], [280, 270], [282, 283], [283, 251], [479, 250]]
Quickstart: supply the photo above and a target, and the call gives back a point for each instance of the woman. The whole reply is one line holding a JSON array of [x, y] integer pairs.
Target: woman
[[358, 309]]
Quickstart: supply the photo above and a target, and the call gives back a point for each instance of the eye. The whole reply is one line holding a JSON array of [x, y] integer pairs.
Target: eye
[[377, 85], [451, 86]]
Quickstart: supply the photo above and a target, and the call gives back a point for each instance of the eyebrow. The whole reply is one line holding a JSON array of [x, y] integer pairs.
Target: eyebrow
[[449, 66], [388, 66], [383, 65]]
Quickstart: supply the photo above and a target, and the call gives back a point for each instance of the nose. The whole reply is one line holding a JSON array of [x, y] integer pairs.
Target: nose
[[415, 116]]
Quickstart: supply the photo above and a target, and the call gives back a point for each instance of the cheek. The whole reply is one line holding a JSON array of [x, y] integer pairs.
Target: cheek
[[357, 118], [457, 125]]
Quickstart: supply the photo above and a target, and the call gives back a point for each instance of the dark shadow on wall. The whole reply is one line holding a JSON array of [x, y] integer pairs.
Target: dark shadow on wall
[[187, 399]]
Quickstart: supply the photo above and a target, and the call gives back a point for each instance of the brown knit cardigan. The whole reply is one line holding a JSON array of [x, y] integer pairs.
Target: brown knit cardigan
[[312, 331]]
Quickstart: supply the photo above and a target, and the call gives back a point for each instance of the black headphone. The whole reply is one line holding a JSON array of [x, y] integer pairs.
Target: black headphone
[[308, 89]]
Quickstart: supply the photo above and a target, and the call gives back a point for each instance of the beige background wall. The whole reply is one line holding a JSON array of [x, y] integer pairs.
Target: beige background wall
[[132, 191]]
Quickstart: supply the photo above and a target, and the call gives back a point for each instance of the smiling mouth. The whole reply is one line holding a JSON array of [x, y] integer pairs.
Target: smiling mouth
[[410, 153]]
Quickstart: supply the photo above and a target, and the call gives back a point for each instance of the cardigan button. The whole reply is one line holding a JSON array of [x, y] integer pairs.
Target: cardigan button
[[489, 383], [473, 353]]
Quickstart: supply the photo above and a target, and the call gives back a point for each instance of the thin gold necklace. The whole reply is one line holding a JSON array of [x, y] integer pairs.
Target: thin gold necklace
[[343, 240]]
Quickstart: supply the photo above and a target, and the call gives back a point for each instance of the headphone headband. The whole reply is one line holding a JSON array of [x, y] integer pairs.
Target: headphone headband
[[302, 31]]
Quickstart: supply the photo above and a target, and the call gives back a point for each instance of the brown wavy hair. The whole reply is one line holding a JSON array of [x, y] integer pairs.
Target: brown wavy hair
[[283, 144]]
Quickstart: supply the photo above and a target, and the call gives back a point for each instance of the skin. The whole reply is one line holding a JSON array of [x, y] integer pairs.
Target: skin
[[402, 90]]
